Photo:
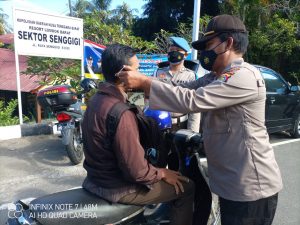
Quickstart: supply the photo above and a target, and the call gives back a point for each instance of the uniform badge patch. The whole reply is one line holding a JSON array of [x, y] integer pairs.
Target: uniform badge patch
[[225, 76], [206, 60], [162, 75]]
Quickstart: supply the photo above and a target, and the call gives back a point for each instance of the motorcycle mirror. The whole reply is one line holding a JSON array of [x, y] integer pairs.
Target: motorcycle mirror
[[88, 84]]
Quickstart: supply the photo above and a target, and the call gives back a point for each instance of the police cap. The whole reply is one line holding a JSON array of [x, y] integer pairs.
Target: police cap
[[180, 43], [217, 25]]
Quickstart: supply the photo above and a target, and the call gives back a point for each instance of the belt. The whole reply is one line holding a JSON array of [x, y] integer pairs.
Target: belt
[[179, 119]]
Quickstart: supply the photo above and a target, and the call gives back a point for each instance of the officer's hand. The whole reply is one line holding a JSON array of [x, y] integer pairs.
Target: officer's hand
[[174, 178], [133, 79]]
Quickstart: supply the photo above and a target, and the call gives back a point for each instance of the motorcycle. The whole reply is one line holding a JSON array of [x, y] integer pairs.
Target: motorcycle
[[69, 109], [78, 206]]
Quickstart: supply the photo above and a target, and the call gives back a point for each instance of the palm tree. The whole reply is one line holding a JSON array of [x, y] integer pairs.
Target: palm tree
[[101, 4], [81, 8], [123, 15]]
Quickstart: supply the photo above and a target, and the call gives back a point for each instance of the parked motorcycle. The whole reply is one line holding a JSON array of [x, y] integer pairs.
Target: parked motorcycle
[[69, 109], [78, 206]]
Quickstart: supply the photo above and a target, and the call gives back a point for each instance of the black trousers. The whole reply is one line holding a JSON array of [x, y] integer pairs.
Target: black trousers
[[260, 212]]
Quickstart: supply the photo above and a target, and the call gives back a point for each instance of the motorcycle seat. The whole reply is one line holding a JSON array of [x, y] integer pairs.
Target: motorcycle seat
[[77, 206]]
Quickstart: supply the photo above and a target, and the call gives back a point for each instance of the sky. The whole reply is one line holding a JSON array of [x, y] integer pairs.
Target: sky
[[57, 6]]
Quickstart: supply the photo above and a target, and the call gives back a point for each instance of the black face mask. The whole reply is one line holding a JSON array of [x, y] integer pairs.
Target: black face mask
[[175, 57], [208, 58]]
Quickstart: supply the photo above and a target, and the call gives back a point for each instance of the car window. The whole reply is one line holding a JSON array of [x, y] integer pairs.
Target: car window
[[273, 82]]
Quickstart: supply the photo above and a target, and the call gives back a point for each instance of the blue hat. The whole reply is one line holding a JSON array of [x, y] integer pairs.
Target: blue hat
[[181, 43]]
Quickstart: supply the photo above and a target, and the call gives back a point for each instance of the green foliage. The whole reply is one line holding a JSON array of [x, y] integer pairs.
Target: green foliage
[[162, 41], [6, 113], [293, 78], [275, 45], [82, 8], [101, 4], [2, 31], [4, 27], [272, 26], [123, 16], [168, 14], [251, 12], [98, 27], [184, 30], [54, 71], [98, 31]]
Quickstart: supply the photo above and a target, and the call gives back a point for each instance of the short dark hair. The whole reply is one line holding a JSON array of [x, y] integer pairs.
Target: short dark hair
[[113, 59], [240, 41]]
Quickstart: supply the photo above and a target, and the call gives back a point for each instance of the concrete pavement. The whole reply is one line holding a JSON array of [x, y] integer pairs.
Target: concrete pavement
[[34, 166]]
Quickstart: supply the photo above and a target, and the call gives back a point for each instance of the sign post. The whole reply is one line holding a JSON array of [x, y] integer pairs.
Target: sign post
[[42, 34], [196, 21]]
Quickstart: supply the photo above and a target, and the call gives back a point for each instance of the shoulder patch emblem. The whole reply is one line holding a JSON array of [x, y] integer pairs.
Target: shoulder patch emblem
[[162, 75], [225, 76]]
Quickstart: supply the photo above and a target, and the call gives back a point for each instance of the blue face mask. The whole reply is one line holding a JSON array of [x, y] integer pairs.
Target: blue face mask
[[208, 58]]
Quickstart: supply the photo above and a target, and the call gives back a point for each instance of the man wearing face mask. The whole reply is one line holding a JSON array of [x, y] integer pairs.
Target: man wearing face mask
[[177, 73], [242, 168]]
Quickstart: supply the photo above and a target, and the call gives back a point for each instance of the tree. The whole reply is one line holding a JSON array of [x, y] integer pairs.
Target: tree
[[81, 8], [101, 4], [4, 27], [157, 15], [275, 45], [60, 71], [287, 8], [184, 30], [105, 33], [55, 71], [252, 12], [272, 27], [168, 14], [123, 15], [7, 117]]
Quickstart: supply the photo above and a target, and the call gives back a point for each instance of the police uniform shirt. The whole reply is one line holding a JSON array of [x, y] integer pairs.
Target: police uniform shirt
[[184, 75], [242, 165]]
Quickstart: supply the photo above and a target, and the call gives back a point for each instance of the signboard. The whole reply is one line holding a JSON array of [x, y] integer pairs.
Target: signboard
[[92, 60], [40, 34], [148, 63]]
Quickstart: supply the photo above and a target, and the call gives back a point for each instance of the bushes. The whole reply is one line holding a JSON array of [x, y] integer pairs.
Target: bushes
[[7, 117]]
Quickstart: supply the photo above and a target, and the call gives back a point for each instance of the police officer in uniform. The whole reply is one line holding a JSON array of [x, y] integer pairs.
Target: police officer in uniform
[[177, 73], [242, 168]]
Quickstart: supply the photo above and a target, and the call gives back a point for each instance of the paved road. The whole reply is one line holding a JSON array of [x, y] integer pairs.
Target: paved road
[[34, 166], [288, 158]]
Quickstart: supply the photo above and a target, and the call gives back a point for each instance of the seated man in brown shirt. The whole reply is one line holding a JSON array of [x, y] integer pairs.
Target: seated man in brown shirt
[[119, 172]]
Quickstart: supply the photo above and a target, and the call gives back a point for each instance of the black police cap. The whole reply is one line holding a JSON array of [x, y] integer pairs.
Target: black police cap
[[217, 25]]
